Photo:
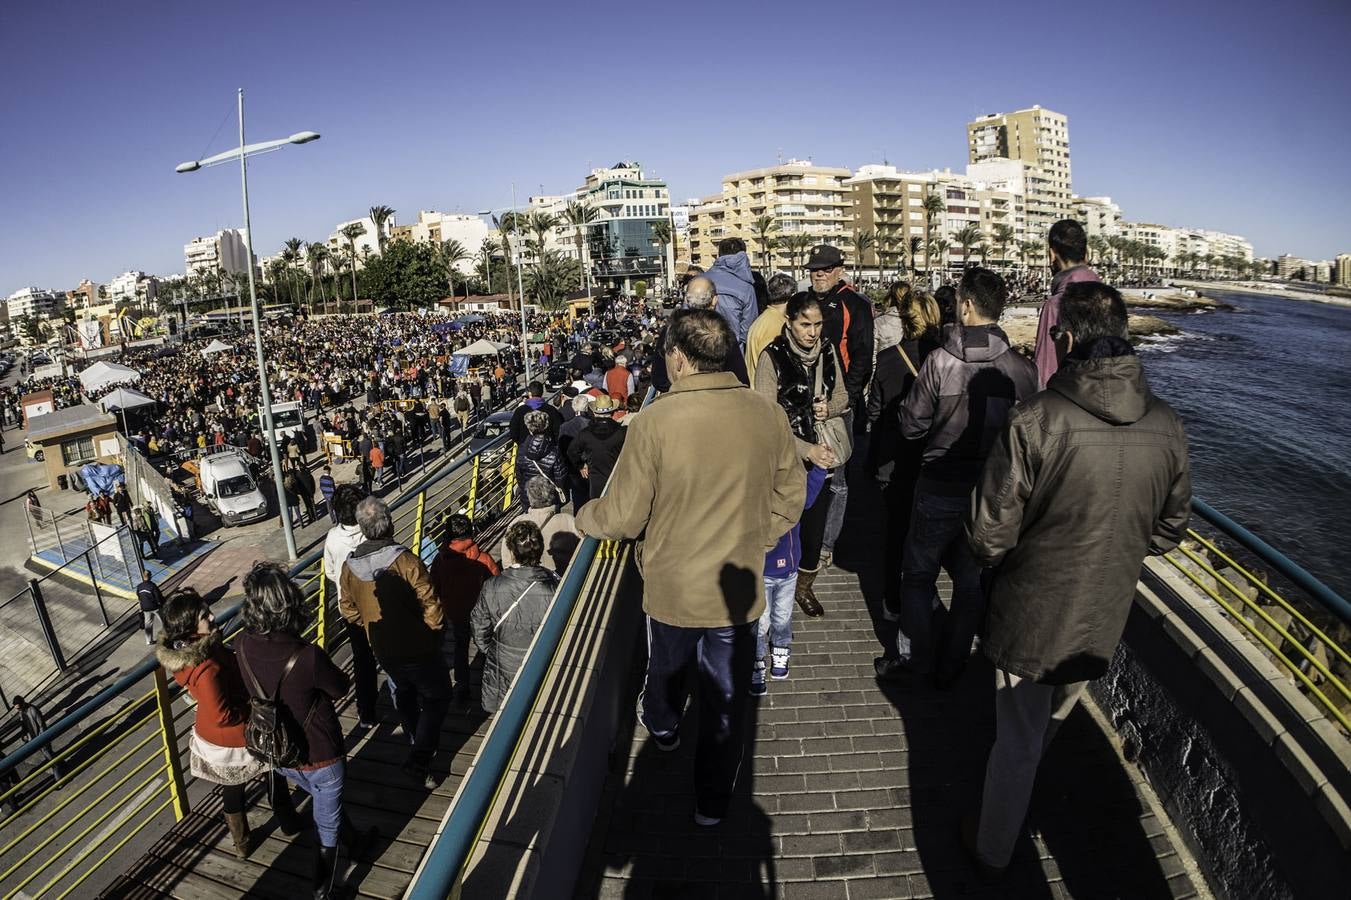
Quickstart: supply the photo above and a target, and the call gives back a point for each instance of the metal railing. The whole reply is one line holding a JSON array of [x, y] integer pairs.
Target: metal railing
[[125, 771], [442, 867], [1256, 607]]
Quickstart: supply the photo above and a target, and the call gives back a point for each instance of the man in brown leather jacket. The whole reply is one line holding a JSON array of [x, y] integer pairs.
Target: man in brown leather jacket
[[1088, 477]]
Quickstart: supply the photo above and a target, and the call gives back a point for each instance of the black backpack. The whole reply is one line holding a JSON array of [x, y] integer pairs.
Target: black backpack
[[271, 733]]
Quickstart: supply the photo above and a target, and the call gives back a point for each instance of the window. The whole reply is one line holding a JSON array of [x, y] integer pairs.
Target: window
[[77, 451]]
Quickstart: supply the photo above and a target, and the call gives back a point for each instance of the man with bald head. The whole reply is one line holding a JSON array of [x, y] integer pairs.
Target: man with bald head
[[700, 293]]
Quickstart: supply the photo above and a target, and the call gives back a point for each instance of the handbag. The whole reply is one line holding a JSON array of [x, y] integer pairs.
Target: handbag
[[834, 432], [558, 491]]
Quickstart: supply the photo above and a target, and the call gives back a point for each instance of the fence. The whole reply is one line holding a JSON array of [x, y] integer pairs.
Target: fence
[[124, 774]]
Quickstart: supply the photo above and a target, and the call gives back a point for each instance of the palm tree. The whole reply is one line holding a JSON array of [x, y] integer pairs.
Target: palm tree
[[552, 278], [451, 252], [291, 254], [863, 242], [580, 214], [968, 236], [541, 223], [933, 207], [1098, 244], [914, 246], [762, 227], [983, 251], [379, 216], [316, 255], [796, 246], [1003, 236], [885, 244], [505, 224], [351, 233], [484, 261], [661, 233], [934, 250]]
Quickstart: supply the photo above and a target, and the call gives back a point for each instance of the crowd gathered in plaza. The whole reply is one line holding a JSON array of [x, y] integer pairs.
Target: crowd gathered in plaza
[[1039, 485]]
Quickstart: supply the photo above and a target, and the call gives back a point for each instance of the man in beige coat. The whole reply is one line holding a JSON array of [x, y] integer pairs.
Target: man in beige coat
[[711, 473]]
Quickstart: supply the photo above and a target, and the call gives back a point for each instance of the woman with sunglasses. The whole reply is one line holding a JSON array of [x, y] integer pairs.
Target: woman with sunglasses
[[192, 650]]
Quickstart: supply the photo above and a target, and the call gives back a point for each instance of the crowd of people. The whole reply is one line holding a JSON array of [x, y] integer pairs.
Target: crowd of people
[[1038, 484]]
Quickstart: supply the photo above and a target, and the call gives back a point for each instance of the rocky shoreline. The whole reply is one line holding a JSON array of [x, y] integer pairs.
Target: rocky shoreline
[[1020, 324]]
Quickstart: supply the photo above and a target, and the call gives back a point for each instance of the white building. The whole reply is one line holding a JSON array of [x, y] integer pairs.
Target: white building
[[366, 245], [1099, 216], [135, 287], [434, 227], [224, 252], [34, 301]]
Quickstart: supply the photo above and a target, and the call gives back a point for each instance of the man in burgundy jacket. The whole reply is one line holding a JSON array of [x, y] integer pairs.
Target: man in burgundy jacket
[[1069, 251]]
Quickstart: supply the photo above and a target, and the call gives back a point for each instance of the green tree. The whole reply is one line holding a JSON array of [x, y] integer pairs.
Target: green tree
[[933, 207], [863, 242], [763, 227], [505, 225], [451, 253], [350, 233], [290, 254], [1100, 248], [661, 233], [540, 224], [380, 215], [552, 278], [933, 252], [406, 275], [914, 246], [316, 256], [967, 236], [580, 214], [1003, 236]]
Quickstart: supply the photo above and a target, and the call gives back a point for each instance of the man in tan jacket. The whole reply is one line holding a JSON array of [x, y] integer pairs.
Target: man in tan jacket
[[711, 473]]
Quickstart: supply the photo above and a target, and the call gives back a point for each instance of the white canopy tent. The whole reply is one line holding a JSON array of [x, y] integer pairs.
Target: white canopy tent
[[101, 374], [124, 398], [482, 347], [216, 346]]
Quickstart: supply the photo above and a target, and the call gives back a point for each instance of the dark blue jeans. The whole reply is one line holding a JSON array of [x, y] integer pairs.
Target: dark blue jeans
[[422, 694], [929, 637], [365, 681], [724, 658]]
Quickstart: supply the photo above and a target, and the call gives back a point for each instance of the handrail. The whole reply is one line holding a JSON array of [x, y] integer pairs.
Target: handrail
[[1326, 596], [450, 847], [99, 700]]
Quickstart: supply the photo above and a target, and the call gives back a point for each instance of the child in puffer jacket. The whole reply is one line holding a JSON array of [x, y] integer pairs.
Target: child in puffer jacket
[[775, 628]]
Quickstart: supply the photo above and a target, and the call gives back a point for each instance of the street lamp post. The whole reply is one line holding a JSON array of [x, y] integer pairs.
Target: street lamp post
[[243, 153]]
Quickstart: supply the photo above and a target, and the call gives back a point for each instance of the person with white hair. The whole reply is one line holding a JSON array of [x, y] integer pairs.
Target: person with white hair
[[558, 528]]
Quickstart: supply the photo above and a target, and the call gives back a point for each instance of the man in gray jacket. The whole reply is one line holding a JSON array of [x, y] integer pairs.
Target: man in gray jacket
[[734, 286], [958, 404], [1089, 476]]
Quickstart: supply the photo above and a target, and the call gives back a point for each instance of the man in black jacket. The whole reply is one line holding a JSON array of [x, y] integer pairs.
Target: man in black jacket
[[1089, 477], [33, 723], [958, 405], [595, 451], [534, 400], [149, 598], [848, 322]]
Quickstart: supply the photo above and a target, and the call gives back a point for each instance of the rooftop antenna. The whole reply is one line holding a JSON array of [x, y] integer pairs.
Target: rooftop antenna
[[780, 156]]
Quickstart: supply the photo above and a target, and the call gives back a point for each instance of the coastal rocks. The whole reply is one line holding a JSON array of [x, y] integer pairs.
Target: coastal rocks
[[1020, 324]]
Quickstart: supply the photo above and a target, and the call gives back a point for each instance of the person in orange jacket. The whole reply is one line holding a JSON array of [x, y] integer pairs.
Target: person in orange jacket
[[458, 573]]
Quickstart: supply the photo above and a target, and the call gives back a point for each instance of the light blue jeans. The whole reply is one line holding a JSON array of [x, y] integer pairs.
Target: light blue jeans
[[776, 622], [325, 789]]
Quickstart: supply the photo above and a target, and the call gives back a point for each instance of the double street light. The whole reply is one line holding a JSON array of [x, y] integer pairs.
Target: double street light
[[242, 153]]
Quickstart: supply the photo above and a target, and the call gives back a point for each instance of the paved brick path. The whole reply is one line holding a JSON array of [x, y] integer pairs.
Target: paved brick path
[[852, 790]]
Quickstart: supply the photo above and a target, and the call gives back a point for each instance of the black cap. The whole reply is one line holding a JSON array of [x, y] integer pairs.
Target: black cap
[[824, 256]]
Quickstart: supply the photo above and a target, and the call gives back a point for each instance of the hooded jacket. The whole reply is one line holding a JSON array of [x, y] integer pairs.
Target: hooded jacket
[[960, 402], [732, 279], [339, 543], [504, 641], [517, 426], [1050, 315], [458, 573], [386, 588], [598, 448], [1090, 476], [209, 672]]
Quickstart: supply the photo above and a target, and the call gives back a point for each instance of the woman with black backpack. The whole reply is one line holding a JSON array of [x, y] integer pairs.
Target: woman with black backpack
[[293, 685], [192, 651]]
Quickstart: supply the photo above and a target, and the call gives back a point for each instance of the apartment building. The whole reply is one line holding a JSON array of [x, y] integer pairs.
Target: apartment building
[[133, 287], [1039, 138], [1342, 276], [34, 301], [83, 297], [434, 227], [1099, 216], [802, 198], [224, 252], [366, 245]]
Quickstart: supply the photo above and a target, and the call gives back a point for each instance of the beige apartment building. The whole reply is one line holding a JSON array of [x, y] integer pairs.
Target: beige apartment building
[[802, 198], [1039, 138]]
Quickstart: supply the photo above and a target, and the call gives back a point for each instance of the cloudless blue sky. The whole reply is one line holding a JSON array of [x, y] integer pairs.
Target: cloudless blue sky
[[1225, 115]]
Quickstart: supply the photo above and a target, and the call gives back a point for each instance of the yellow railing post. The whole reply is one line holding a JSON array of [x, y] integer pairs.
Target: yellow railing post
[[473, 488], [417, 527], [178, 791], [322, 612], [511, 481]]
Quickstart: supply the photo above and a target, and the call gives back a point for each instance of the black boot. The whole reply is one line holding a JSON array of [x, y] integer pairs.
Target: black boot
[[325, 872], [354, 841], [283, 807]]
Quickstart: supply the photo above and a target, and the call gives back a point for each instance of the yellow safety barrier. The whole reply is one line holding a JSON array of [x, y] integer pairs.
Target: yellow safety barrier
[[1236, 614], [473, 489], [321, 613], [511, 481], [178, 789]]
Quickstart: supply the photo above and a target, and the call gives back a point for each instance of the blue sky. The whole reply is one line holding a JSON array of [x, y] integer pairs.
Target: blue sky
[[1221, 115]]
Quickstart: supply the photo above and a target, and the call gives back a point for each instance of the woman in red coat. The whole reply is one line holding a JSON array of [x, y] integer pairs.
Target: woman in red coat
[[193, 652]]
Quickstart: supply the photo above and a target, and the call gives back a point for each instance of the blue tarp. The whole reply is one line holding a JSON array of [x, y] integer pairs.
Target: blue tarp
[[102, 477], [459, 366]]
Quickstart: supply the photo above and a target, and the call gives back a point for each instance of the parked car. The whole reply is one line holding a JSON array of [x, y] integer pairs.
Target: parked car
[[490, 429]]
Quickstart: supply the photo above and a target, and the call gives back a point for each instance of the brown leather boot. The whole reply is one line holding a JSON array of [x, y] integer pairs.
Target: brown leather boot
[[238, 824], [805, 596]]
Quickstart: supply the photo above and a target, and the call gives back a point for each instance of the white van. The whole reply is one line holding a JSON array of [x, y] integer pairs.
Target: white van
[[229, 488], [288, 420]]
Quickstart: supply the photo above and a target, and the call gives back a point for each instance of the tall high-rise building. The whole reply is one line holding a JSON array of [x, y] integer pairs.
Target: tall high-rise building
[[1041, 139], [801, 198], [224, 252], [38, 302], [1343, 277]]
